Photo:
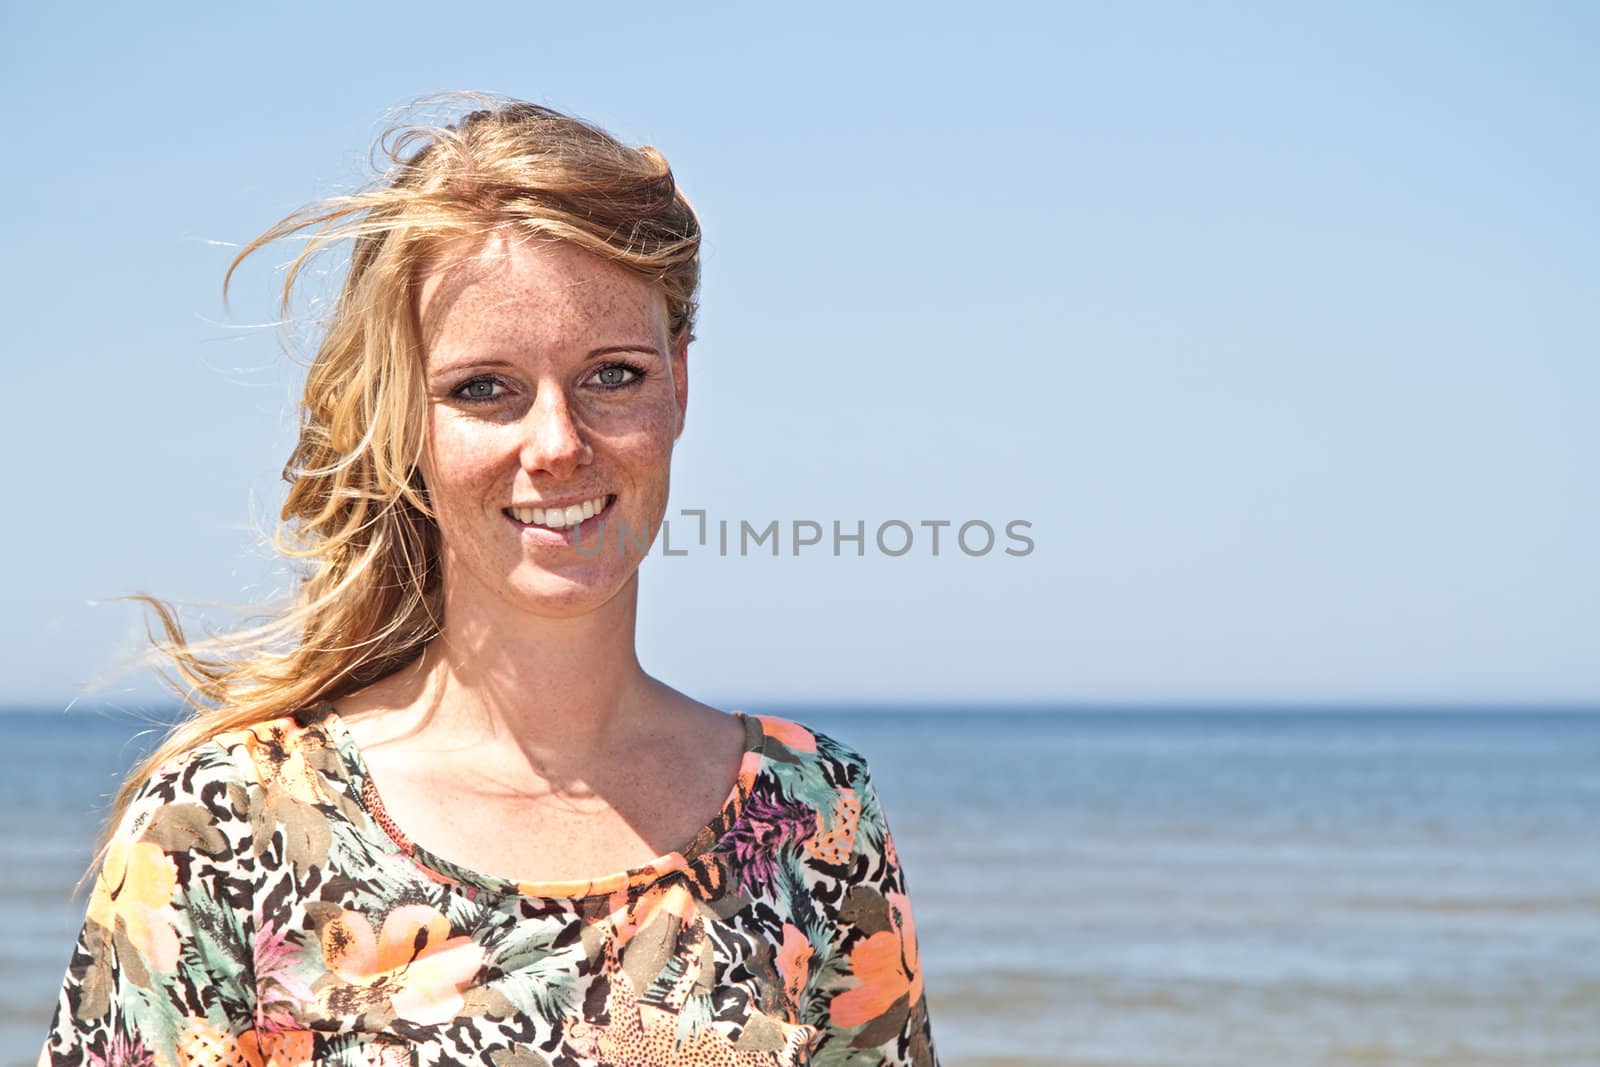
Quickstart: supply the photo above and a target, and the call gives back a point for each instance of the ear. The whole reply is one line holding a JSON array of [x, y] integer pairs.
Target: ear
[[680, 382]]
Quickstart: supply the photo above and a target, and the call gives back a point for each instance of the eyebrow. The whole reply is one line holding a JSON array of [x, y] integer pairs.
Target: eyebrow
[[608, 349], [596, 353]]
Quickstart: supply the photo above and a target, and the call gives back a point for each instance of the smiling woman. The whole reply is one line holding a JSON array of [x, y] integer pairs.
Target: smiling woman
[[436, 811]]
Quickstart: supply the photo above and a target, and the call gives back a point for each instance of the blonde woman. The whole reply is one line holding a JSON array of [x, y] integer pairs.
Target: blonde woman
[[436, 812]]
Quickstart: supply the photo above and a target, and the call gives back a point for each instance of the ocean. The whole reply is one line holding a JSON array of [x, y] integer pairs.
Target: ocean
[[1126, 888]]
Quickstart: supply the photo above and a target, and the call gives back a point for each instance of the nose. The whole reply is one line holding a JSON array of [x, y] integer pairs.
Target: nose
[[554, 441]]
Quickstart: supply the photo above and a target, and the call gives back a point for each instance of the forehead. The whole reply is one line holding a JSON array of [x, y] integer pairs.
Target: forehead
[[534, 292]]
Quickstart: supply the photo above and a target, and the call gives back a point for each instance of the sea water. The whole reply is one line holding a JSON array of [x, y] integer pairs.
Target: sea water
[[1121, 887]]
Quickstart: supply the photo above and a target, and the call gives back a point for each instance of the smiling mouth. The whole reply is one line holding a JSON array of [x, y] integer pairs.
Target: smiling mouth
[[560, 518]]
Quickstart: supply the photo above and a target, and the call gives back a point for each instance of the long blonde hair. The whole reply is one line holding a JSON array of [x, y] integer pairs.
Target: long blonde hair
[[357, 511]]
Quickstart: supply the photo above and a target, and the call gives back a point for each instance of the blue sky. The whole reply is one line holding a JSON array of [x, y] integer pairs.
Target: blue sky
[[1278, 326]]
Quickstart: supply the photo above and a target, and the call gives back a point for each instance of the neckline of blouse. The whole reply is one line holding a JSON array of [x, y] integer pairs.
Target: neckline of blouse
[[439, 869]]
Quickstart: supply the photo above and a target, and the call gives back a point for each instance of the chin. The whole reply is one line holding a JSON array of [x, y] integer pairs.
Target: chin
[[556, 597], [558, 584]]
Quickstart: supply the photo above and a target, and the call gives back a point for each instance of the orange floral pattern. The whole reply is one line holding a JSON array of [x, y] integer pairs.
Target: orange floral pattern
[[886, 970]]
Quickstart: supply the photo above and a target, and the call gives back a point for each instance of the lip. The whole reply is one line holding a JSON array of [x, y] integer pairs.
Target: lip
[[567, 535]]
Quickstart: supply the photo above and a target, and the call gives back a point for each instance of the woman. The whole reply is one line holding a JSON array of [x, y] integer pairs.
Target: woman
[[386, 835]]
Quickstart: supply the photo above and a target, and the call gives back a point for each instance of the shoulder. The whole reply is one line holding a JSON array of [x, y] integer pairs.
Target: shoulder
[[832, 778], [293, 757], [788, 742], [214, 821], [232, 774]]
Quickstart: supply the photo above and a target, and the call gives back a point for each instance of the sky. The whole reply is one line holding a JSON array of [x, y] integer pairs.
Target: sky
[[1272, 326]]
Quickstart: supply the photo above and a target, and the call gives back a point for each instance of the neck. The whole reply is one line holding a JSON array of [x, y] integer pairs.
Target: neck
[[562, 690]]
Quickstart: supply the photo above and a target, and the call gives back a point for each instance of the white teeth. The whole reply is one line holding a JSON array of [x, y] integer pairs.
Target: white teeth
[[560, 518]]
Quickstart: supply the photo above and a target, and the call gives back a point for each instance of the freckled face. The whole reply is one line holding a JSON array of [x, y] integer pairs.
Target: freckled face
[[550, 383]]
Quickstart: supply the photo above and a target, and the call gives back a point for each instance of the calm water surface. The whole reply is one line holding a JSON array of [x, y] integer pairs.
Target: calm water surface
[[1123, 888]]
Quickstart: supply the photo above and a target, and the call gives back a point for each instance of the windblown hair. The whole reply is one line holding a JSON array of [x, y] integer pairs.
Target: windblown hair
[[357, 510]]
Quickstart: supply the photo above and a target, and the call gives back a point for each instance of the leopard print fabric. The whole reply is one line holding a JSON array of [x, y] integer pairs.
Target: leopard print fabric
[[258, 907]]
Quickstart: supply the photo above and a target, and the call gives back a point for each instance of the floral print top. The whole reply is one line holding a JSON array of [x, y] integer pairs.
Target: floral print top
[[258, 906]]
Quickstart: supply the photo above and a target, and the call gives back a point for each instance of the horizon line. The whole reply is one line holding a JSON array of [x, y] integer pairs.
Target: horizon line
[[947, 706]]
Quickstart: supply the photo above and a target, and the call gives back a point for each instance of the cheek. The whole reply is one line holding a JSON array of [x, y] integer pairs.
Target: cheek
[[462, 462], [647, 448], [653, 428]]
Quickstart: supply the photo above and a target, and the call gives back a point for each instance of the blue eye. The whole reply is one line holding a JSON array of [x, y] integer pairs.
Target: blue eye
[[617, 375], [481, 389]]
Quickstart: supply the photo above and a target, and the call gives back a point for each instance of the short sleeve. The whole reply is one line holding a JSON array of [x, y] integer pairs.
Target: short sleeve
[[872, 1003], [161, 972]]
